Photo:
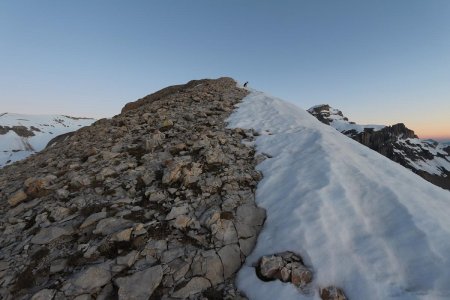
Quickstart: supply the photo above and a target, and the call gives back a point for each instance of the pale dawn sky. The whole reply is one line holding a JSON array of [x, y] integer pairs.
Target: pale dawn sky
[[380, 62]]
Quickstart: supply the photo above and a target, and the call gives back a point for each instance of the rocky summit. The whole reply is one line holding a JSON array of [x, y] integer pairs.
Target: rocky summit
[[428, 159], [155, 203]]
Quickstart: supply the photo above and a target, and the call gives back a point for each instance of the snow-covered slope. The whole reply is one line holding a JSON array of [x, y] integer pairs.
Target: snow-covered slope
[[22, 135], [428, 158], [359, 220]]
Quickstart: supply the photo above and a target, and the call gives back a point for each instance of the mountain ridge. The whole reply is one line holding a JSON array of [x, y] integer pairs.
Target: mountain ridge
[[430, 160], [214, 191]]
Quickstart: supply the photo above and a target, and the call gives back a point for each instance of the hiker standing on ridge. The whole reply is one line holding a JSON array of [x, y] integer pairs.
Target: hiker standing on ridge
[[245, 84]]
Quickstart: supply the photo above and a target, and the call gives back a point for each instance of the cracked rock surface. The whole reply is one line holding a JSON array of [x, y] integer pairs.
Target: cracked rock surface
[[156, 203]]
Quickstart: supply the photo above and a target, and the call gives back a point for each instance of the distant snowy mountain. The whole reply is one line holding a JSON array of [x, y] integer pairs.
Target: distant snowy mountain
[[427, 158], [22, 135], [359, 221]]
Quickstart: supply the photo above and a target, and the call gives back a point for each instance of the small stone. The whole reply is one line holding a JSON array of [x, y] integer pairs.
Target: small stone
[[332, 293], [127, 260], [122, 236], [176, 211], [270, 266], [62, 194], [58, 265], [194, 286], [17, 198], [300, 275], [181, 222], [140, 285], [214, 156]]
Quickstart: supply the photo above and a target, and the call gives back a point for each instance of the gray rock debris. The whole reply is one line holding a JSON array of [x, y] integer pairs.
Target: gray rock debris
[[155, 202]]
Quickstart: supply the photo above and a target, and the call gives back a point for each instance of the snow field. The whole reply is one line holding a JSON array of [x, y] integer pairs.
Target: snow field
[[359, 220]]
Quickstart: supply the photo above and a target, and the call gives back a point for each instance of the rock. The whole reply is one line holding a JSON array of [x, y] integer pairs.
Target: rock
[[83, 297], [194, 286], [17, 198], [285, 274], [214, 156], [300, 275], [156, 248], [49, 234], [58, 265], [181, 222], [170, 255], [232, 256], [111, 225], [127, 260], [191, 174], [122, 236], [214, 267], [173, 171], [176, 211], [140, 285], [270, 266], [106, 293], [88, 281], [332, 293], [224, 231], [251, 215], [62, 194], [247, 244], [37, 187], [59, 213], [93, 218], [44, 294]]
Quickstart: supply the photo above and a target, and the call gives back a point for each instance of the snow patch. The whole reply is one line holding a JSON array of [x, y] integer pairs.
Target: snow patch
[[359, 220]]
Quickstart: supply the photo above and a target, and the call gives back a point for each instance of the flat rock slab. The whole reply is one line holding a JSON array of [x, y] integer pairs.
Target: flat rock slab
[[49, 234], [140, 285]]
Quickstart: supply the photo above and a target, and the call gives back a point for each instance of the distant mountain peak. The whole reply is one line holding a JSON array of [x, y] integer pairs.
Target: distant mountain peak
[[429, 159]]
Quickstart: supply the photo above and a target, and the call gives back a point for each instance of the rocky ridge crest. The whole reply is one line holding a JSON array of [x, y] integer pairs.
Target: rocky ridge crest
[[156, 203]]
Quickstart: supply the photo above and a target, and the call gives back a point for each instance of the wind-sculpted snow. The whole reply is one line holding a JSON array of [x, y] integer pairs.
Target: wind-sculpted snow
[[360, 221]]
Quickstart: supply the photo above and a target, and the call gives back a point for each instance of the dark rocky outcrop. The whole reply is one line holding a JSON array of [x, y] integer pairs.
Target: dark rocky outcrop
[[19, 130], [396, 143], [155, 203], [59, 139]]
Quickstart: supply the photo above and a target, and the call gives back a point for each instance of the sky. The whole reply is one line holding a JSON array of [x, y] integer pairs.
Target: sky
[[380, 62]]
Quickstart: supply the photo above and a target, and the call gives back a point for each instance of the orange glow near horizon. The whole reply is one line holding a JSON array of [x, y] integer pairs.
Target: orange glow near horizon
[[431, 131]]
